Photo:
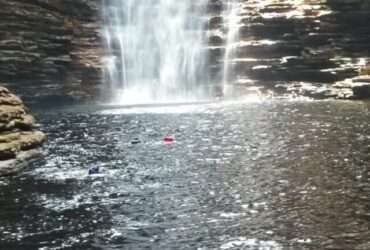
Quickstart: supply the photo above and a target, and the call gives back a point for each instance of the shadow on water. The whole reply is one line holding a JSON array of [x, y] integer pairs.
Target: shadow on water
[[34, 215]]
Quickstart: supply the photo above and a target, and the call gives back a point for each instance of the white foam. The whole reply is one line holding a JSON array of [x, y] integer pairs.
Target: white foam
[[243, 242]]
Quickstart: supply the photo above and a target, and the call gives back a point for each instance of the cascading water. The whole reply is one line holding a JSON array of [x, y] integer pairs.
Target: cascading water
[[232, 23], [156, 50]]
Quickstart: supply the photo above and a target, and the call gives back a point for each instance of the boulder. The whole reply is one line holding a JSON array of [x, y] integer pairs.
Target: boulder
[[19, 141]]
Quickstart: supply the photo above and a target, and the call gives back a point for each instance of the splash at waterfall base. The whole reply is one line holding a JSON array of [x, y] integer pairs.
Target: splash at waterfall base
[[156, 50]]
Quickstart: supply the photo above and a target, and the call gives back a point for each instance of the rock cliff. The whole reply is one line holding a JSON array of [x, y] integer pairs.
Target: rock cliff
[[50, 48], [289, 45], [19, 141]]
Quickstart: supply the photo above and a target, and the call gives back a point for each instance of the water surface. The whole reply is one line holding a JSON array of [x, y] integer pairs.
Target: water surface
[[265, 175]]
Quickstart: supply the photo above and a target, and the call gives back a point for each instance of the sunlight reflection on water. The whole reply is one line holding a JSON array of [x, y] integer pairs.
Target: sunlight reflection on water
[[196, 107]]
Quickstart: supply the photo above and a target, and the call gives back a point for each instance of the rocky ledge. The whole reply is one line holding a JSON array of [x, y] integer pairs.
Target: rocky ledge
[[354, 88], [19, 141]]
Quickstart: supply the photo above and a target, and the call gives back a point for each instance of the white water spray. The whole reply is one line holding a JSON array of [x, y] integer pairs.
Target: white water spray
[[232, 23], [155, 50]]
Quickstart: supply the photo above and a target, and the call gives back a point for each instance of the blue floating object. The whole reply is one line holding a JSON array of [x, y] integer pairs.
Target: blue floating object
[[94, 170]]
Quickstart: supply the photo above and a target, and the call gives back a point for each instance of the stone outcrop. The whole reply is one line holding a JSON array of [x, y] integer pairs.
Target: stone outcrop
[[50, 48], [19, 141]]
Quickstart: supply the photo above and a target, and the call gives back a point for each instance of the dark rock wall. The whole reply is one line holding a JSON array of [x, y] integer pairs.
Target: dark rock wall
[[49, 48], [284, 42]]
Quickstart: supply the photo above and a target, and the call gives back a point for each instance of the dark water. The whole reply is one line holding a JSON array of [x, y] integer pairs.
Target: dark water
[[267, 175]]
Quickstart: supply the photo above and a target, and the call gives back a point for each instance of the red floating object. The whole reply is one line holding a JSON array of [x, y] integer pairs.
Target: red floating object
[[168, 139]]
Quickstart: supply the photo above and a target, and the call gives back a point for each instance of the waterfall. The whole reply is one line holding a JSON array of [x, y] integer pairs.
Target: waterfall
[[232, 23], [156, 50]]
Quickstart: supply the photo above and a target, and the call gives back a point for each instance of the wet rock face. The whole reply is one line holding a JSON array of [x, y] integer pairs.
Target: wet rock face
[[50, 48], [54, 48], [291, 43], [19, 142]]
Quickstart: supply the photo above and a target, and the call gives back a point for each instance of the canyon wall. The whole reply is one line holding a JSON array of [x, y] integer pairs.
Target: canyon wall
[[50, 48], [304, 46], [53, 48]]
